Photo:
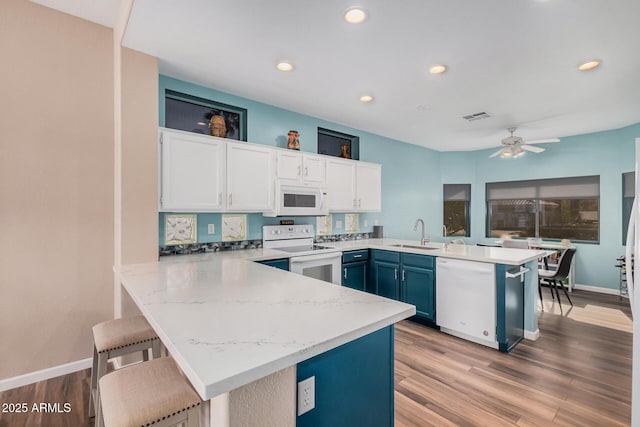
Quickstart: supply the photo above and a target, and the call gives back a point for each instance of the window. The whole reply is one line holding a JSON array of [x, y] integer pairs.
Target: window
[[560, 208], [628, 193], [333, 143], [192, 114], [456, 199]]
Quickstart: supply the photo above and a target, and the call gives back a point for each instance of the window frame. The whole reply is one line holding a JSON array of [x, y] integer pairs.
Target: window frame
[[537, 185], [465, 189]]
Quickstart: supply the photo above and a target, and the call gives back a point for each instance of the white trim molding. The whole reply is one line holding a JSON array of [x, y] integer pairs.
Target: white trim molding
[[598, 289], [528, 335], [45, 374]]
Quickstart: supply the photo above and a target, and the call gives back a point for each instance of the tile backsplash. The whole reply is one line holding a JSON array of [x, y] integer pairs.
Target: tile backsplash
[[255, 221]]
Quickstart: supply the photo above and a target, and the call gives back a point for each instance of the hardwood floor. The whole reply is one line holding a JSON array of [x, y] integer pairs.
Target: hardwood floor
[[578, 373]]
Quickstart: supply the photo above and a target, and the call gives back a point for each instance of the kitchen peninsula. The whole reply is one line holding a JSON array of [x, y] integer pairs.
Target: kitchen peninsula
[[229, 322]]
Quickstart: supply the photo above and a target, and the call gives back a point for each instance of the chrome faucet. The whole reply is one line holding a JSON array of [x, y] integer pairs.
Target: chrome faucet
[[423, 241]]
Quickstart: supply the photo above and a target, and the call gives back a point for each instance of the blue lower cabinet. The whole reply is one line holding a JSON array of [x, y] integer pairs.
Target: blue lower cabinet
[[354, 269], [282, 263], [418, 288], [353, 383], [509, 307], [406, 277]]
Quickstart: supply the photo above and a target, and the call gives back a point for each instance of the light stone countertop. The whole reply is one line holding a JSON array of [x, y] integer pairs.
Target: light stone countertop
[[228, 321], [495, 255]]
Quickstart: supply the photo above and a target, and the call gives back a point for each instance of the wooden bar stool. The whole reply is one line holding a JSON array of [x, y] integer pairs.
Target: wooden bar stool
[[115, 338], [151, 393]]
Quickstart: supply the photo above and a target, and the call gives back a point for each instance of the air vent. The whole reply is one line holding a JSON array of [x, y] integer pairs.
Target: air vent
[[476, 116]]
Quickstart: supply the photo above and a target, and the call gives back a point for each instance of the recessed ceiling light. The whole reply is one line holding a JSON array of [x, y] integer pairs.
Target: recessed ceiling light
[[589, 65], [284, 66], [355, 15], [437, 69], [366, 98]]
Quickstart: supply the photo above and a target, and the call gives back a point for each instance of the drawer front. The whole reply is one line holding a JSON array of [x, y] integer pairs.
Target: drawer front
[[352, 256], [423, 261], [388, 256]]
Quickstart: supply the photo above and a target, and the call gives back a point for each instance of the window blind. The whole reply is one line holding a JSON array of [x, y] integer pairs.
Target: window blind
[[554, 188], [457, 192]]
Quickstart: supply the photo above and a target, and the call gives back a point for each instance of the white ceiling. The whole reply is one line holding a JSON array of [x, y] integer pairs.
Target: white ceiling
[[514, 59]]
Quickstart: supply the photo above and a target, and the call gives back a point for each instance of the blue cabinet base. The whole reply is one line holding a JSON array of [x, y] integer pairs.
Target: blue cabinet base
[[354, 383]]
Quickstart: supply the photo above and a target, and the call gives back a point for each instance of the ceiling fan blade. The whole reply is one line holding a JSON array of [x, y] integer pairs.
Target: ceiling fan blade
[[542, 141], [497, 152], [532, 149]]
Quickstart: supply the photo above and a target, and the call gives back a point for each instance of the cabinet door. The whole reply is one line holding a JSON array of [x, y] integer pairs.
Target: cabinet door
[[289, 165], [250, 177], [313, 169], [354, 275], [281, 263], [192, 172], [385, 276], [341, 185], [418, 288], [369, 187]]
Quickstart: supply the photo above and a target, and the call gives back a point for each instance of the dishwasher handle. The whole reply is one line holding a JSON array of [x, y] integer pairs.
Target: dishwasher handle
[[520, 274]]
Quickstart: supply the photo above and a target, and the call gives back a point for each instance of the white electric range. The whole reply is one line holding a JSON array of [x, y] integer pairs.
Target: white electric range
[[305, 257]]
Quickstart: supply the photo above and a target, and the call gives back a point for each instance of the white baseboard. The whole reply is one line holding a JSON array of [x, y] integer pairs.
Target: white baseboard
[[45, 374], [528, 335], [608, 291]]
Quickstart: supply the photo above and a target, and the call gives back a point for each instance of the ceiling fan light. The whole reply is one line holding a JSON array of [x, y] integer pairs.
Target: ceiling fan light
[[506, 153]]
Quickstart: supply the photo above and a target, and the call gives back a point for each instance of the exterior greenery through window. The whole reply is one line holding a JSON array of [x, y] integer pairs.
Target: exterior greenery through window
[[559, 208], [456, 209]]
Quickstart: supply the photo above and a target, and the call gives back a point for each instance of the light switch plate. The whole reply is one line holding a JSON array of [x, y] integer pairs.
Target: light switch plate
[[338, 224], [306, 395], [211, 228]]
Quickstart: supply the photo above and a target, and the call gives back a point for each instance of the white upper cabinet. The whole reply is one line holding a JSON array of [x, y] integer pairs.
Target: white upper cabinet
[[369, 187], [341, 185], [192, 172], [250, 177], [354, 186], [301, 167]]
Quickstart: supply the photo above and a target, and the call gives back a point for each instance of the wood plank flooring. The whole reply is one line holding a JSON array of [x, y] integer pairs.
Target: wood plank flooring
[[578, 373]]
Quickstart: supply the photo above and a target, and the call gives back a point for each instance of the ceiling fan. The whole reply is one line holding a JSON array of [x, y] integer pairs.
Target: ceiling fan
[[514, 146]]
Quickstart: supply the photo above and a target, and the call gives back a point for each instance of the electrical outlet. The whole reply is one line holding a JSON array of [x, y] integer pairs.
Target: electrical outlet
[[306, 395], [376, 222], [338, 225], [366, 223], [211, 228]]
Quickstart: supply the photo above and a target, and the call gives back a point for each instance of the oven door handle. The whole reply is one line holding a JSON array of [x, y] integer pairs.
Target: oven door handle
[[318, 257]]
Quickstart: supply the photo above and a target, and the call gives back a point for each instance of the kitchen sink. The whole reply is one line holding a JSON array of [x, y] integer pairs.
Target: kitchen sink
[[425, 248]]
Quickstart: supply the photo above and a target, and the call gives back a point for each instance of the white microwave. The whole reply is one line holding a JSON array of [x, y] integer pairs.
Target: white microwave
[[299, 200]]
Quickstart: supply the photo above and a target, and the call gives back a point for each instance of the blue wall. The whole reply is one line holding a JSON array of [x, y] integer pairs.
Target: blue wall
[[412, 177], [410, 174], [608, 154]]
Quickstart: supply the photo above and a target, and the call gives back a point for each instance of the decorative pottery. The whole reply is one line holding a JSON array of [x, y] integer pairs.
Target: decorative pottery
[[217, 126], [344, 151], [294, 140]]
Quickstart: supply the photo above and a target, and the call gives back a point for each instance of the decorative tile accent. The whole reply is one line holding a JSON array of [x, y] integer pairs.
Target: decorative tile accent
[[234, 227], [180, 229], [324, 225], [208, 247], [342, 237], [351, 222]]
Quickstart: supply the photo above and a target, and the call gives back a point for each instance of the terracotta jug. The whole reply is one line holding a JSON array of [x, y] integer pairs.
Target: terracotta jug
[[217, 126]]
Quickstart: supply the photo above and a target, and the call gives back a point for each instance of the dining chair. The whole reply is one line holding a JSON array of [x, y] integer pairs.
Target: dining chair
[[556, 278]]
